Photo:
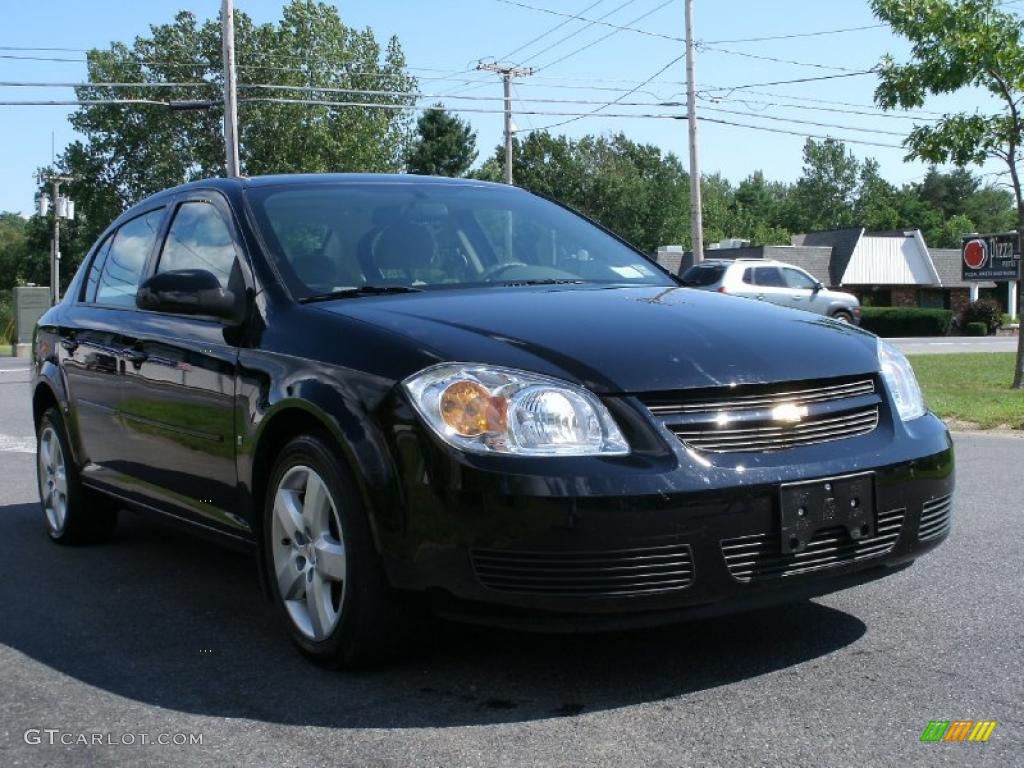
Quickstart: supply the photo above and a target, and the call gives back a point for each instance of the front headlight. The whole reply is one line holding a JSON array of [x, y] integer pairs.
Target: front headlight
[[484, 409], [902, 383]]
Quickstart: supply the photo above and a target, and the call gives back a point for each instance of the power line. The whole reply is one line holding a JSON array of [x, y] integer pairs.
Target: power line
[[420, 96], [569, 17], [481, 82], [798, 121], [538, 38], [769, 104], [617, 100], [39, 84], [582, 29], [795, 35], [370, 105], [826, 101], [773, 59], [731, 88], [799, 133], [601, 39]]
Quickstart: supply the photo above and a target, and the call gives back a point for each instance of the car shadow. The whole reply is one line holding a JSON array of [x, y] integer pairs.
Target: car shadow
[[173, 621]]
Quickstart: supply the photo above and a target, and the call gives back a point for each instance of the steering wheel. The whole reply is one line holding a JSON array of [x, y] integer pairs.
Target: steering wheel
[[492, 272]]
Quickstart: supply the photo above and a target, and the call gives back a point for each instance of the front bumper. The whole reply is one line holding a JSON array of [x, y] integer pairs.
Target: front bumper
[[569, 552]]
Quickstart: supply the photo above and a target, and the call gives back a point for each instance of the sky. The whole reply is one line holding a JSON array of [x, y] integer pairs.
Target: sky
[[447, 38]]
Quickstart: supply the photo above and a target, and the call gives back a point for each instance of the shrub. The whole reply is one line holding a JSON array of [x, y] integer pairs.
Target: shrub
[[984, 311], [906, 321], [976, 329], [1005, 320]]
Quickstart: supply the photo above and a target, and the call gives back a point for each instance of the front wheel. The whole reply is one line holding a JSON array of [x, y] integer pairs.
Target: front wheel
[[842, 316], [326, 578], [73, 514]]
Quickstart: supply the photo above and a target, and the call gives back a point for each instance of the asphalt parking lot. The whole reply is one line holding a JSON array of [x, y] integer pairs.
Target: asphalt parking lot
[[158, 633]]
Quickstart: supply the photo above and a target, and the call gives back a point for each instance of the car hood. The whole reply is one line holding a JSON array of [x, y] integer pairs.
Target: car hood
[[621, 339]]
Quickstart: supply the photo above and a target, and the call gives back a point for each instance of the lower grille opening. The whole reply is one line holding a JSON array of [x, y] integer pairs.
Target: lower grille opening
[[610, 573], [758, 557], [936, 518]]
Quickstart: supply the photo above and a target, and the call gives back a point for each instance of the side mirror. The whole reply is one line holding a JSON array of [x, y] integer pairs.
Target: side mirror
[[190, 292], [819, 287]]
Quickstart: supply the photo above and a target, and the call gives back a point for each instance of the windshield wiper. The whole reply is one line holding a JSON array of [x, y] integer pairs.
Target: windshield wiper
[[545, 281], [362, 290]]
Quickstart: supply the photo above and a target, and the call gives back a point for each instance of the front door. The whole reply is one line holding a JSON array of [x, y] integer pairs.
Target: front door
[[179, 404]]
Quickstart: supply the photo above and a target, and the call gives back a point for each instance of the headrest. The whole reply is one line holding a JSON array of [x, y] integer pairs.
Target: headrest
[[404, 246], [315, 269]]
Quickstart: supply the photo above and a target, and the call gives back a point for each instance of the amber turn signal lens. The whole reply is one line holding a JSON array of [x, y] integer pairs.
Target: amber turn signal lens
[[468, 408]]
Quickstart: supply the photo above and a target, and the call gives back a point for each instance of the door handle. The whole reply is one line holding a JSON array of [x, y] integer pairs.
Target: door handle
[[760, 297], [70, 345]]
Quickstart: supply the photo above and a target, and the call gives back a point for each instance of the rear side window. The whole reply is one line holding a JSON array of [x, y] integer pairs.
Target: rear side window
[[121, 272], [199, 238], [92, 280], [701, 275], [770, 277], [748, 276]]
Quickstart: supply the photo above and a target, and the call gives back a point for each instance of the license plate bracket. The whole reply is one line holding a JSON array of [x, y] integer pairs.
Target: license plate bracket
[[809, 506]]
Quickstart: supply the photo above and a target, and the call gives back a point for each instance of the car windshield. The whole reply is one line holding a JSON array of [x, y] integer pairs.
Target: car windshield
[[334, 238]]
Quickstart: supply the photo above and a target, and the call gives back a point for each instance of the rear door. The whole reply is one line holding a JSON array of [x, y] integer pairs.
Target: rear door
[[179, 404], [771, 286], [91, 341]]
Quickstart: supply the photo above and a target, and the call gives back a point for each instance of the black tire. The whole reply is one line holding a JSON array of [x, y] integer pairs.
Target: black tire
[[88, 517], [372, 617], [842, 316]]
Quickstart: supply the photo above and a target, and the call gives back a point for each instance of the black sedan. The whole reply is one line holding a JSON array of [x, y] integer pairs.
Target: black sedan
[[404, 392]]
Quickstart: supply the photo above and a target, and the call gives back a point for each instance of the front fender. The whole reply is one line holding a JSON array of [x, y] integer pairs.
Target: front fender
[[342, 407]]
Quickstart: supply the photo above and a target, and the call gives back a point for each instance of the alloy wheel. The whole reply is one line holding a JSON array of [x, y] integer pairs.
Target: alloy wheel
[[308, 547], [53, 479]]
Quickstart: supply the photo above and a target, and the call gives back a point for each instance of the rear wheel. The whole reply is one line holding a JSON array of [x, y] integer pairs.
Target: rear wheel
[[73, 514], [326, 578], [843, 316]]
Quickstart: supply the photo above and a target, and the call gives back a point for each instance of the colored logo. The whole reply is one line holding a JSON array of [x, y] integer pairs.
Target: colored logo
[[958, 730], [976, 254]]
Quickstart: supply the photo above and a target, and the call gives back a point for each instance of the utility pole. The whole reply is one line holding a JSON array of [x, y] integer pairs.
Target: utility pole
[[61, 209], [696, 210], [507, 73], [227, 26]]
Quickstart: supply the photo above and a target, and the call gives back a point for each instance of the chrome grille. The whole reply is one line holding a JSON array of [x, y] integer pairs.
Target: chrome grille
[[797, 396], [585, 574], [742, 418], [936, 518], [773, 438], [758, 557]]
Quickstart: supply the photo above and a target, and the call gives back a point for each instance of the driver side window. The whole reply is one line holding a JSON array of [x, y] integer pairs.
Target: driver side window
[[200, 238], [797, 279]]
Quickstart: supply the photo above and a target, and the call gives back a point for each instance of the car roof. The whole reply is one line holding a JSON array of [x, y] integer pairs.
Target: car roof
[[747, 262], [306, 179]]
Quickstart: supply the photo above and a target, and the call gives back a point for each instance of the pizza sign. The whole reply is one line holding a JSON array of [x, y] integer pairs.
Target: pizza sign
[[991, 257]]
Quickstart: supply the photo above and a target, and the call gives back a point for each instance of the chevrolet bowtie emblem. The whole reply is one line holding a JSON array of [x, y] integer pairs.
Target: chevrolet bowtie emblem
[[789, 413]]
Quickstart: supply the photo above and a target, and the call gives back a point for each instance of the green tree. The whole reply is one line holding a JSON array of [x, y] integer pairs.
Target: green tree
[[131, 150], [444, 145], [875, 206], [632, 189], [958, 44], [757, 210], [825, 192]]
